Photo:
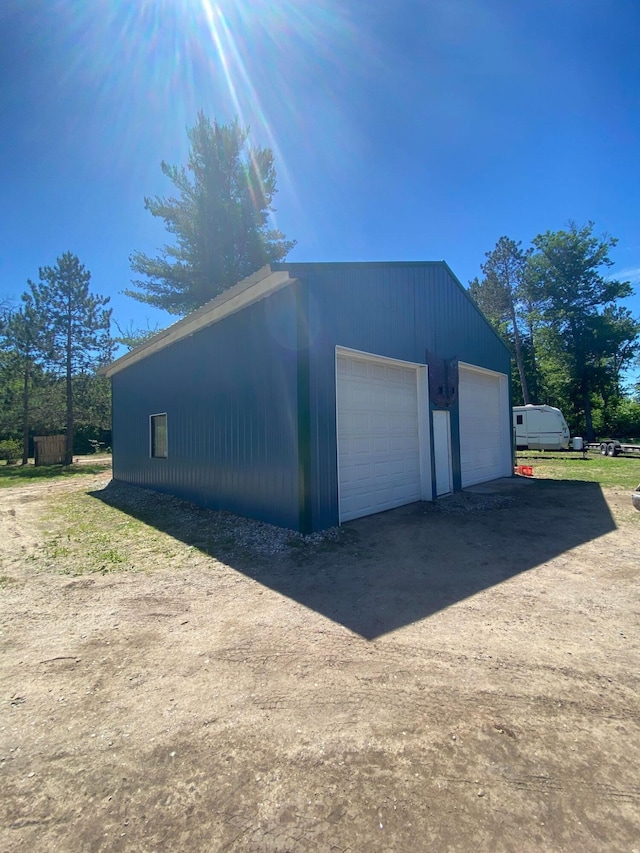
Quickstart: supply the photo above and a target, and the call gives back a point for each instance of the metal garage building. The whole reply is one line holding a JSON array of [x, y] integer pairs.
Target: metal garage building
[[311, 394]]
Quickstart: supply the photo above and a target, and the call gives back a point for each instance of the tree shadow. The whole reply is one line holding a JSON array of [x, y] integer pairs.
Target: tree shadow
[[387, 571]]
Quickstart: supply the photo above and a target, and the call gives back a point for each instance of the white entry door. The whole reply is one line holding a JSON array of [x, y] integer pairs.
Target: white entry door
[[442, 452], [380, 432]]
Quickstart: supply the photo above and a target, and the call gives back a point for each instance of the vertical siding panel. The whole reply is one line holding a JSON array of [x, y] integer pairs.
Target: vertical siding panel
[[228, 391]]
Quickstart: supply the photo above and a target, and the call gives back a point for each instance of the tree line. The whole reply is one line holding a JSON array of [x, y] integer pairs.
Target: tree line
[[52, 345], [572, 340], [50, 349], [554, 303]]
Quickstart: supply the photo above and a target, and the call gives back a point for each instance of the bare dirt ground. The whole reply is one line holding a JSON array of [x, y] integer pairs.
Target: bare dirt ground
[[453, 677]]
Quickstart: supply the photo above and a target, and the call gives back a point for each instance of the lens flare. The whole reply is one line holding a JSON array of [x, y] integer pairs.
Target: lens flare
[[286, 68]]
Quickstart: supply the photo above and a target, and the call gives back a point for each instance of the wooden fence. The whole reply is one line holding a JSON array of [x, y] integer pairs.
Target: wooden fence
[[49, 449]]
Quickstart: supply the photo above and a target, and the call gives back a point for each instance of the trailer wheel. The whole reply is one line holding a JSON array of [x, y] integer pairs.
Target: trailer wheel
[[603, 449], [611, 449]]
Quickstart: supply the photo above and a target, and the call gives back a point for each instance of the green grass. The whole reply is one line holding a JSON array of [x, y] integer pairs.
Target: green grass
[[617, 472], [13, 475], [85, 536]]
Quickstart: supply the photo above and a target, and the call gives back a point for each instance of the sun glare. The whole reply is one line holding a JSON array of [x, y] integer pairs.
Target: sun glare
[[269, 51], [279, 65]]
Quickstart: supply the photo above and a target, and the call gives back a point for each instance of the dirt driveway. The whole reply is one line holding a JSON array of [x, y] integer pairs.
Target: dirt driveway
[[459, 677]]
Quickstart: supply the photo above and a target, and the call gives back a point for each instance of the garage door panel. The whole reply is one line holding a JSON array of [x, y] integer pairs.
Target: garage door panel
[[390, 468], [401, 443], [361, 472], [378, 446], [406, 422], [379, 422], [363, 445], [359, 503]]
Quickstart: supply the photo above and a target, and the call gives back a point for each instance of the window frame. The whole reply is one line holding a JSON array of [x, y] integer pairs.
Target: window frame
[[153, 433]]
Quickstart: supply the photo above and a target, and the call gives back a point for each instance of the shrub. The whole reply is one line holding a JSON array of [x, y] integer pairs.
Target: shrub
[[10, 450], [90, 439]]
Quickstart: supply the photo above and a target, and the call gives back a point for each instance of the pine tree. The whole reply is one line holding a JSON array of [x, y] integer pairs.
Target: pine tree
[[220, 220], [76, 327], [499, 296]]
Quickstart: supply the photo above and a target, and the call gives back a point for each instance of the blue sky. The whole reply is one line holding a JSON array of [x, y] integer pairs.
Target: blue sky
[[402, 129]]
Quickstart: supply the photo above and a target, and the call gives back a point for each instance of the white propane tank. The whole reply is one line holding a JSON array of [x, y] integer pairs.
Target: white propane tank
[[577, 443]]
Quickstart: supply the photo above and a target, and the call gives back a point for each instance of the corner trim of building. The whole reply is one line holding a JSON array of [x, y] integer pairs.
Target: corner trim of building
[[305, 516]]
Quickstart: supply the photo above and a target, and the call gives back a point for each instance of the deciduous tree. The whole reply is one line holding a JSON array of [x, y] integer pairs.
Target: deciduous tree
[[585, 332]]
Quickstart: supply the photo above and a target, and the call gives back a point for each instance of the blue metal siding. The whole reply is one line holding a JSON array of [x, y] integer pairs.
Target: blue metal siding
[[230, 392], [394, 310]]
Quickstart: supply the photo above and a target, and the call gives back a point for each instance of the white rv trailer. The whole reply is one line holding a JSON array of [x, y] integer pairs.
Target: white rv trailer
[[540, 428]]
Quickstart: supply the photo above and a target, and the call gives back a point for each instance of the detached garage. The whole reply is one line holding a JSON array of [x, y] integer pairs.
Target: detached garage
[[312, 394]]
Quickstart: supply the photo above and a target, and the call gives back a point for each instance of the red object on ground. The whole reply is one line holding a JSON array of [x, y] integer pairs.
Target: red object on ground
[[524, 470]]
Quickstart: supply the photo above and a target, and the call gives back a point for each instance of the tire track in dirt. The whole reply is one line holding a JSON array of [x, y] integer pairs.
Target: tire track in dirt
[[194, 707]]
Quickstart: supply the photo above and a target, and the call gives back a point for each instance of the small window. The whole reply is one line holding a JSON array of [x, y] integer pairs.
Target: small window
[[518, 419], [159, 436]]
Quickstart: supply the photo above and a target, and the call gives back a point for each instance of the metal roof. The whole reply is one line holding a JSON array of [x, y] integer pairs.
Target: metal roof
[[257, 286], [261, 284]]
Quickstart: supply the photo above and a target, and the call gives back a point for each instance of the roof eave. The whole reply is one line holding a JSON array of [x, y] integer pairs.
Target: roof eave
[[248, 291]]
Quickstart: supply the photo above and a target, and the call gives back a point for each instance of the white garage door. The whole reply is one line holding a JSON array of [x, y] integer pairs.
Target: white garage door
[[485, 448], [378, 436]]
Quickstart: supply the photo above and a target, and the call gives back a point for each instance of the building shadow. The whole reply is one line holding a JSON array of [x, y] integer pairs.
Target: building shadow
[[387, 571]]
